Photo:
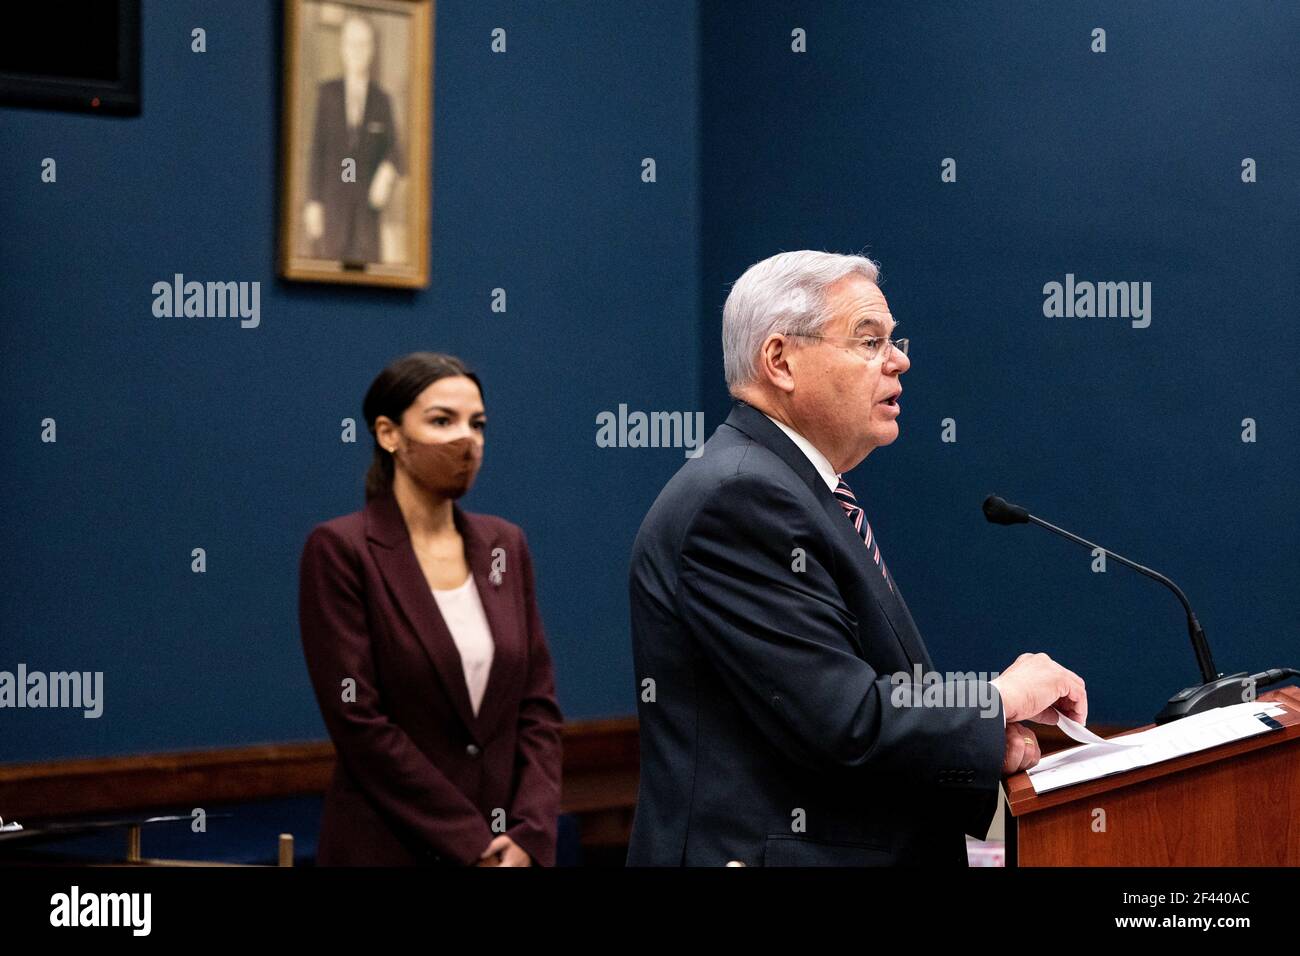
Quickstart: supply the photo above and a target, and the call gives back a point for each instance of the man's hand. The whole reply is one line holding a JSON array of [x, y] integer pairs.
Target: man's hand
[[1022, 749], [1034, 684], [313, 219], [381, 187], [503, 851]]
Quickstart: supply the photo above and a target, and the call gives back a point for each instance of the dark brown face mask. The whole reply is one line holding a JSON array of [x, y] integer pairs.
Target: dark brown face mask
[[444, 469]]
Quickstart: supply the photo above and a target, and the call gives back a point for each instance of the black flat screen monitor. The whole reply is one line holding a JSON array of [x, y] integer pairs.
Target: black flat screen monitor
[[73, 55]]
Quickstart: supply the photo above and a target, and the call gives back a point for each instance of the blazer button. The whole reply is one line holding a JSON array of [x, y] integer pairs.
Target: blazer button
[[472, 750]]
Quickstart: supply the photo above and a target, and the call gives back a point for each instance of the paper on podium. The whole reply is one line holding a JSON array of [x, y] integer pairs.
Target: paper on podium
[[1077, 731], [1101, 758]]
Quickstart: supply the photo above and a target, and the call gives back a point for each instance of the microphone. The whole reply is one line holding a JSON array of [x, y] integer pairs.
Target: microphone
[[1216, 690], [1000, 511]]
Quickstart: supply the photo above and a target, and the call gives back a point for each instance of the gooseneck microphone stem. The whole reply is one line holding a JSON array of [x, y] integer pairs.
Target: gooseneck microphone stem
[[1200, 646]]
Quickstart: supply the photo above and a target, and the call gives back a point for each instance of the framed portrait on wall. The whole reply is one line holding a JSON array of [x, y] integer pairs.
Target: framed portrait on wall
[[355, 164]]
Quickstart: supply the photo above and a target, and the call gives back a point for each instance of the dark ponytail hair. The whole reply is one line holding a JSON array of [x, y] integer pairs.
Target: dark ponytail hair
[[392, 393]]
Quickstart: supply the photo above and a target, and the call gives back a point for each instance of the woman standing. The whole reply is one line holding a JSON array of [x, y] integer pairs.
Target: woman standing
[[425, 648]]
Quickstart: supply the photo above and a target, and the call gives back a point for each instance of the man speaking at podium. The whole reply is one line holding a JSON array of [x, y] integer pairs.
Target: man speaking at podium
[[769, 635]]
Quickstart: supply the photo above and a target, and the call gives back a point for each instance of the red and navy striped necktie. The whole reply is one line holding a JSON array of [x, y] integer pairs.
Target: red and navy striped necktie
[[859, 519]]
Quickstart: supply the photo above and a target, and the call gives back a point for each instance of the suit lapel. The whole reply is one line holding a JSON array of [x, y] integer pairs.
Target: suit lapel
[[397, 562], [760, 428], [909, 640], [904, 625]]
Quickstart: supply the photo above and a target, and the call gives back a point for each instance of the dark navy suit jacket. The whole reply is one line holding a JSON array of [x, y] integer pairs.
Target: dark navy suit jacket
[[764, 637], [420, 778], [351, 225]]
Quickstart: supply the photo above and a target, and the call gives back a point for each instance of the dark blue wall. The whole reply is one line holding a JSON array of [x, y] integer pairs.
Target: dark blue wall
[[1116, 166], [177, 433]]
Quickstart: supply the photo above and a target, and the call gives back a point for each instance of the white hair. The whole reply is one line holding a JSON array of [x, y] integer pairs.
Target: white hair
[[784, 293]]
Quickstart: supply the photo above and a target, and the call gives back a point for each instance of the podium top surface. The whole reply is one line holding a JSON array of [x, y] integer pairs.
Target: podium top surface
[[1022, 798]]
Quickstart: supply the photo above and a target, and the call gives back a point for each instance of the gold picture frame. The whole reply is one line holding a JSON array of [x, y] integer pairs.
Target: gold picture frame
[[356, 142]]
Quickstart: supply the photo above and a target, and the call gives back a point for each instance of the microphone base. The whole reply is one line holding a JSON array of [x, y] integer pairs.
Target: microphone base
[[1199, 698]]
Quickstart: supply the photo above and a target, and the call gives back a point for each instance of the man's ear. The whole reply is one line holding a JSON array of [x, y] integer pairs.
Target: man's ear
[[774, 362]]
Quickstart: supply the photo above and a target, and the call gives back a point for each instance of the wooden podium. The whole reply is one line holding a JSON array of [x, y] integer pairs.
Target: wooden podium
[[1237, 804]]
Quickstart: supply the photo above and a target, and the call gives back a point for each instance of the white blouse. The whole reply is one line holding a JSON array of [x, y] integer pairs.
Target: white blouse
[[462, 610]]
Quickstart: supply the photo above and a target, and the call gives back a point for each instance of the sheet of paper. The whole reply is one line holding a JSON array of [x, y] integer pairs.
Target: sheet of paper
[[1096, 758], [1076, 731]]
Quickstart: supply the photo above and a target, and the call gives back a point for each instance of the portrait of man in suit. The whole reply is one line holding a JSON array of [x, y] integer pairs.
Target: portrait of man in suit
[[769, 634], [354, 121], [357, 124]]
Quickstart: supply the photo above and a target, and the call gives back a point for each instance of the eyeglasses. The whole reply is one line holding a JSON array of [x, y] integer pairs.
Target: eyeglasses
[[869, 348]]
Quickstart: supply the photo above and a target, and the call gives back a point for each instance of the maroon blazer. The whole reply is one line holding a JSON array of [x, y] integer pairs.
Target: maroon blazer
[[419, 778]]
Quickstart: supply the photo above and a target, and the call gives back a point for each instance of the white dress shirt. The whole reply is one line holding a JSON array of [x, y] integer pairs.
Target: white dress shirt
[[832, 480], [462, 610], [810, 451], [354, 99]]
